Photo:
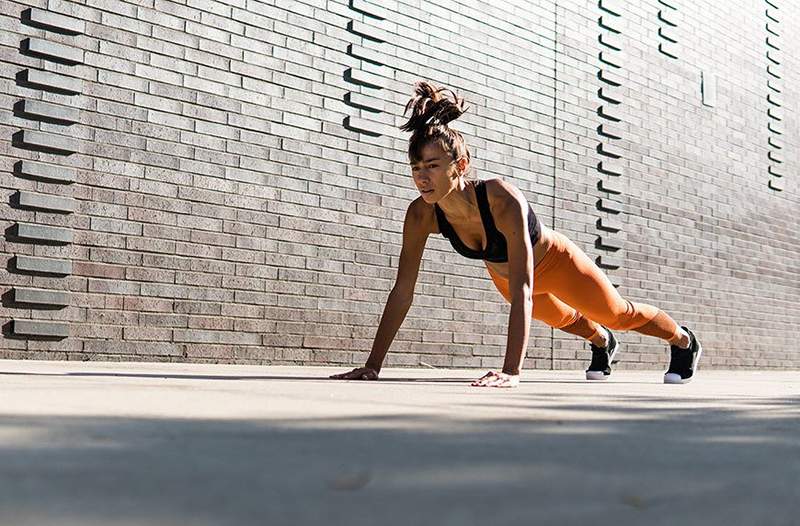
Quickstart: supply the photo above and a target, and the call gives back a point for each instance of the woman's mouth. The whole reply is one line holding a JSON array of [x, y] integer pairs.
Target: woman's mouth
[[426, 192]]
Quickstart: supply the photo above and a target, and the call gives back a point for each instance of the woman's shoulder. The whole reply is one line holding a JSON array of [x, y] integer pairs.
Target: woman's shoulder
[[424, 215], [502, 194]]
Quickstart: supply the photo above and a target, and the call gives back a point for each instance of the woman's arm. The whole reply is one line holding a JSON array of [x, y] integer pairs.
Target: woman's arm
[[511, 218], [415, 235]]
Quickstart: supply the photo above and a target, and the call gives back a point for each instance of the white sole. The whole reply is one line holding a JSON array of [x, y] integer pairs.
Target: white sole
[[673, 378], [599, 375]]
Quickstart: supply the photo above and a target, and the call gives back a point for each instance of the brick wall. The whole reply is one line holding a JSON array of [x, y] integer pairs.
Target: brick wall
[[228, 184]]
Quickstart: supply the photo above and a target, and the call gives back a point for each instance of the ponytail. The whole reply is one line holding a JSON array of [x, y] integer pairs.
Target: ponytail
[[431, 113]]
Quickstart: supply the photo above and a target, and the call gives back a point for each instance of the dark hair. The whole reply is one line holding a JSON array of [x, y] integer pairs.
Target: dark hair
[[431, 111]]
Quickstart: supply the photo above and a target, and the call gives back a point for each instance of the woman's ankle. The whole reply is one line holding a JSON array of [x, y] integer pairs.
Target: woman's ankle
[[681, 339], [600, 338]]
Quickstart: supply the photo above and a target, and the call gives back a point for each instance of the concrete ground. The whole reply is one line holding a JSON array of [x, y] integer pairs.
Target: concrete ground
[[172, 444]]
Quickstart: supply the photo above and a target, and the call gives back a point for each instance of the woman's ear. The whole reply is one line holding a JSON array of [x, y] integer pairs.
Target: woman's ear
[[462, 164]]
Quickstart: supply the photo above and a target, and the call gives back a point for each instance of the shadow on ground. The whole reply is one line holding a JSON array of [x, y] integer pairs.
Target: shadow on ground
[[623, 461]]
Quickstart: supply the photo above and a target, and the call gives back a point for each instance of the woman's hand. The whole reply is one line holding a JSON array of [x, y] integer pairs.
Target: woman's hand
[[497, 379], [360, 373]]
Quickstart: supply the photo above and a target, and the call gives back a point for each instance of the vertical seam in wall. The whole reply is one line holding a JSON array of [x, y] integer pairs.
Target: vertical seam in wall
[[555, 145]]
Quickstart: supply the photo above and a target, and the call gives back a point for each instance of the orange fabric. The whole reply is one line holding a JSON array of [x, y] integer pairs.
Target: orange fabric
[[571, 292]]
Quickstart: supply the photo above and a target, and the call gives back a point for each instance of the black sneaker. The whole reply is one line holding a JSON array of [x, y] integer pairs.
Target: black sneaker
[[602, 358], [683, 363]]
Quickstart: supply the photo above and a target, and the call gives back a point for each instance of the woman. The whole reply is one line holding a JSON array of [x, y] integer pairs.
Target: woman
[[539, 271]]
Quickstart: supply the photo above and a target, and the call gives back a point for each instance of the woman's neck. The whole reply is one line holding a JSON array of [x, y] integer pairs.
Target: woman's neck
[[459, 204]]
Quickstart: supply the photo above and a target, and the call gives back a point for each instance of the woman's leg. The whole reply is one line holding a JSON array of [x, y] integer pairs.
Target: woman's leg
[[554, 312], [575, 279]]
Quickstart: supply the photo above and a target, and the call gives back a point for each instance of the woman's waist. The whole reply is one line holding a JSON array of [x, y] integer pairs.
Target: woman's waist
[[547, 241]]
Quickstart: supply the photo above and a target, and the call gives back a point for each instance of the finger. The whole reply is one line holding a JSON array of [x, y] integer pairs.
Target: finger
[[503, 381], [508, 381], [480, 382], [484, 380], [496, 381]]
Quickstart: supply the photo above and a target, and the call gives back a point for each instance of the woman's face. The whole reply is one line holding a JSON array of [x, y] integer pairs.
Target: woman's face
[[436, 174]]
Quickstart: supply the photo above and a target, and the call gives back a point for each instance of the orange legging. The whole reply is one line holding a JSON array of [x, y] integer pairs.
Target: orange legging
[[572, 294]]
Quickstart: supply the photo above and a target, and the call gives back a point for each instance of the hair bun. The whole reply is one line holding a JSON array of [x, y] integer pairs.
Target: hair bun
[[430, 108]]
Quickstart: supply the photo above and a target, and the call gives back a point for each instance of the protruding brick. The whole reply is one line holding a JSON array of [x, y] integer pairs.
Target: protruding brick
[[611, 57], [53, 81], [610, 166], [48, 172], [43, 265], [609, 149], [776, 156], [610, 130], [776, 184], [773, 42], [368, 31], [364, 53], [775, 142], [369, 8], [363, 77], [367, 126], [775, 126], [610, 224], [612, 6], [610, 23], [668, 48], [609, 76], [774, 112], [774, 56], [607, 112], [58, 298], [609, 261], [53, 21], [51, 111], [48, 141], [46, 202], [774, 70], [668, 16], [668, 33], [708, 88], [610, 185], [608, 241], [40, 328], [772, 28], [44, 233], [53, 51], [772, 15], [608, 205], [611, 40], [365, 101], [612, 94]]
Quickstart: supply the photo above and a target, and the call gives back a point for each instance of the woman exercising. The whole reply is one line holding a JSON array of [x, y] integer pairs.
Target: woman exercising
[[541, 273]]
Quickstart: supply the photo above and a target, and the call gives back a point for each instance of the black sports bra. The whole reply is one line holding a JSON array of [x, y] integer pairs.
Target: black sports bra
[[496, 247]]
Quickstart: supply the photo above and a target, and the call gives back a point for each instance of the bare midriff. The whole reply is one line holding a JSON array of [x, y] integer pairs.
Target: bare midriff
[[542, 246]]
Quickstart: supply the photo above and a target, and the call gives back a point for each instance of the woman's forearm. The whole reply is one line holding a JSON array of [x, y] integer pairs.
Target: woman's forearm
[[393, 315], [519, 325]]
